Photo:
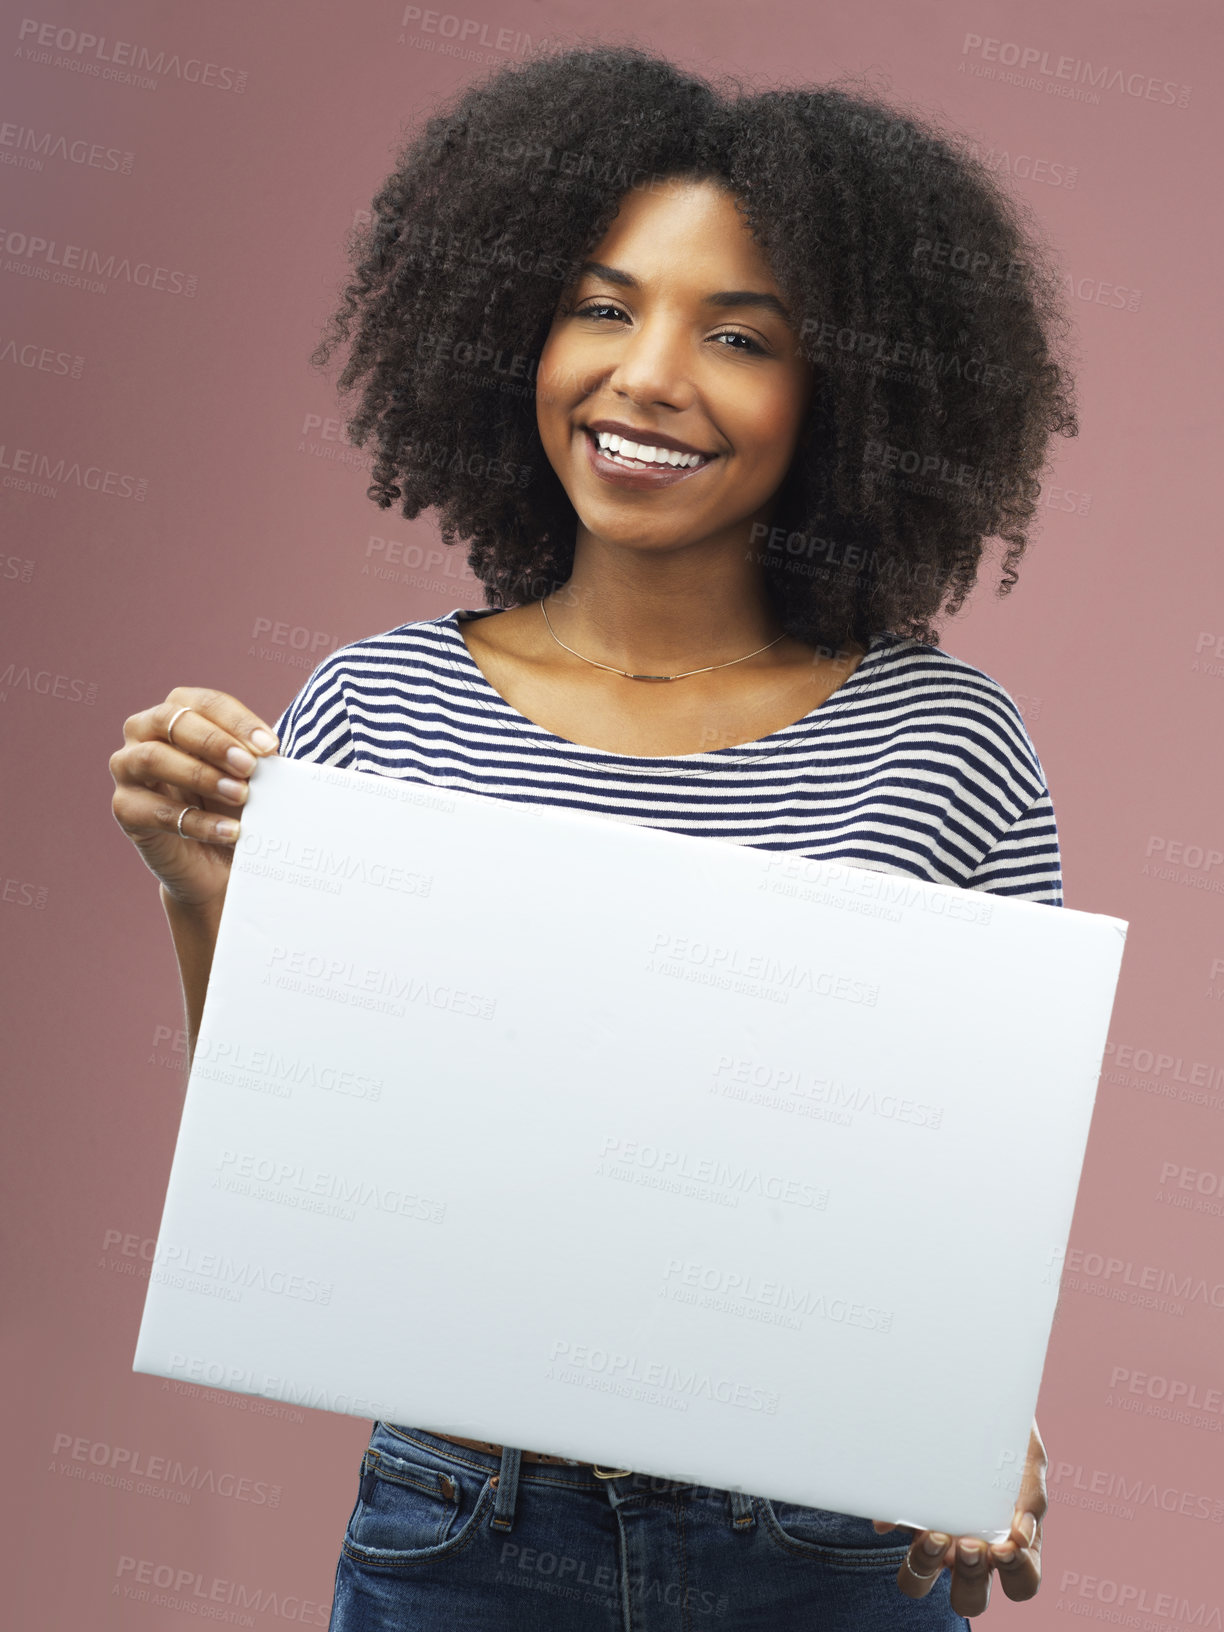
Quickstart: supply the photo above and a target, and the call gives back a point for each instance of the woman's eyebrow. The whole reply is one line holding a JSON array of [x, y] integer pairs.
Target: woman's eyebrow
[[724, 297]]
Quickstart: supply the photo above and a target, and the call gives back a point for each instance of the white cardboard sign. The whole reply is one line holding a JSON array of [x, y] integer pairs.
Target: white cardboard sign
[[665, 1153]]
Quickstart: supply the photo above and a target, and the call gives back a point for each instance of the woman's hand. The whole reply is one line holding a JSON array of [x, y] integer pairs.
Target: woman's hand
[[207, 765], [1017, 1559]]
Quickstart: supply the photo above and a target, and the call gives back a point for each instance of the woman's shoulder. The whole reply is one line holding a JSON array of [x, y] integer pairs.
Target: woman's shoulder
[[421, 635], [421, 641], [392, 661], [944, 693]]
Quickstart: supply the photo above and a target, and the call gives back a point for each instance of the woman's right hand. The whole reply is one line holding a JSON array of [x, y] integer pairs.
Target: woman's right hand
[[208, 764]]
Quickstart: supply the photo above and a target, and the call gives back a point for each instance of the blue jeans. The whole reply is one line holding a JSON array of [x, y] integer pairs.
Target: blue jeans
[[442, 1537]]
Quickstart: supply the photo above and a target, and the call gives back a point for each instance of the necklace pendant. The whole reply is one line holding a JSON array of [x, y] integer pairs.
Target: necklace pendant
[[629, 676]]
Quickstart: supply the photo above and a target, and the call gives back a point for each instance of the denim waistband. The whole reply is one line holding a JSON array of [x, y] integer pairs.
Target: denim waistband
[[509, 1471]]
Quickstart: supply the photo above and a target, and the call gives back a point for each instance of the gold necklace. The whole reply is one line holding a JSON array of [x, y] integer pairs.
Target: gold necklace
[[614, 670]]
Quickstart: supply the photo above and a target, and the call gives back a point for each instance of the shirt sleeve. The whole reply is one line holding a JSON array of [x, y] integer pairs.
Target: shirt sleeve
[[1026, 861], [316, 725]]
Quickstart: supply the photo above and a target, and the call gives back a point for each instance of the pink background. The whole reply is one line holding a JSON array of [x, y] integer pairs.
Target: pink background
[[232, 545]]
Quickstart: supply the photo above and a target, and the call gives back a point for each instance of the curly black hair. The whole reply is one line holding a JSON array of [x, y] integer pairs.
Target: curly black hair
[[924, 300]]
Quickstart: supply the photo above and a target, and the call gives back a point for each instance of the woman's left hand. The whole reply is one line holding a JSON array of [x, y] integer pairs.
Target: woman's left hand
[[1017, 1559]]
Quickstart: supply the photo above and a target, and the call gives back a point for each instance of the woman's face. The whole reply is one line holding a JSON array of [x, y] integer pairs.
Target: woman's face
[[677, 331]]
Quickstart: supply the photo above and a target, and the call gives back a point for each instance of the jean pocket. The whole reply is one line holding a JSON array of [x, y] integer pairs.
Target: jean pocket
[[833, 1538], [408, 1512]]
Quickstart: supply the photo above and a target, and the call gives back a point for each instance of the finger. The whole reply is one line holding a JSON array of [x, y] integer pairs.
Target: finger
[[147, 817], [1019, 1558], [970, 1592], [175, 773], [924, 1563], [1033, 1497], [217, 728]]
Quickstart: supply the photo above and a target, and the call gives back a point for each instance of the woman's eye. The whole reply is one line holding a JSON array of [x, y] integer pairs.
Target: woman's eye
[[734, 334], [748, 343]]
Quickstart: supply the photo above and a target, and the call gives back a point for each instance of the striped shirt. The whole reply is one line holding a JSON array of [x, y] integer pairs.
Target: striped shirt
[[918, 764]]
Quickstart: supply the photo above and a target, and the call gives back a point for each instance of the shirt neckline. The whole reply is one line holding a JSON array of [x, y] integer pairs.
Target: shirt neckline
[[470, 674]]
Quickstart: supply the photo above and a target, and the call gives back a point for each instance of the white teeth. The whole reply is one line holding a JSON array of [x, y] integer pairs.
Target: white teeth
[[642, 452]]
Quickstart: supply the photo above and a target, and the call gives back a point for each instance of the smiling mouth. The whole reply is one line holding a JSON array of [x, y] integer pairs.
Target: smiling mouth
[[628, 455]]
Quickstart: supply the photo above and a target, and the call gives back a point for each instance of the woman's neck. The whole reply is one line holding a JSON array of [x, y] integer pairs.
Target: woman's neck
[[663, 613]]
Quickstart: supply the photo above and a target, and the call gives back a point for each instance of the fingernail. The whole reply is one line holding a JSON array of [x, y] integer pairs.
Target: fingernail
[[1028, 1528], [263, 739], [227, 829], [1005, 1552], [229, 789], [935, 1544], [970, 1551], [239, 760]]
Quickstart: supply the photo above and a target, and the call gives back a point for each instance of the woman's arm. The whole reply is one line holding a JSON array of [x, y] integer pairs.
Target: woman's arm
[[194, 931]]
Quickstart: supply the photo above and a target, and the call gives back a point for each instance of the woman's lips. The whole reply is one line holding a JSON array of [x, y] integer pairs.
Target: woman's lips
[[646, 478]]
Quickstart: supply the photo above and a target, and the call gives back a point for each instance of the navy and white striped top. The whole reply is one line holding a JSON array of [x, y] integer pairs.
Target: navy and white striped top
[[917, 764]]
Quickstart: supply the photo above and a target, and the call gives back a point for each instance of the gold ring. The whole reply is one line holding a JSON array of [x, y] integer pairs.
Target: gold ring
[[918, 1575], [186, 709]]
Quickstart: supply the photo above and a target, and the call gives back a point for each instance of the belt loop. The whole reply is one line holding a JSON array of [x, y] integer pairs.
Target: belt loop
[[506, 1482], [742, 1515]]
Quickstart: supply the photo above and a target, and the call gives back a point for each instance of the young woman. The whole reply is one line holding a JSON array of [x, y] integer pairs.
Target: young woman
[[725, 394]]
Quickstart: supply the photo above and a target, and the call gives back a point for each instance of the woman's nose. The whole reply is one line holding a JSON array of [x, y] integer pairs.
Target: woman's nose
[[652, 365]]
